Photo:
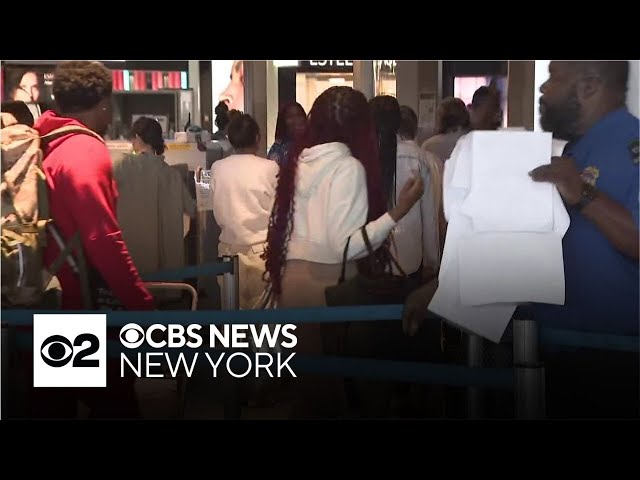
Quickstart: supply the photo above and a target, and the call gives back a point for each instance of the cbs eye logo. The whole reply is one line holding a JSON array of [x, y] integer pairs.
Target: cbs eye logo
[[69, 350], [132, 335], [57, 351]]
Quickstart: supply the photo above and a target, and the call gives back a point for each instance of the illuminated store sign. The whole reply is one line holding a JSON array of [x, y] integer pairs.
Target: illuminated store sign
[[326, 66]]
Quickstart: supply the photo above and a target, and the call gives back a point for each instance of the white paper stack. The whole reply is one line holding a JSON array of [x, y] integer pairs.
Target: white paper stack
[[504, 239]]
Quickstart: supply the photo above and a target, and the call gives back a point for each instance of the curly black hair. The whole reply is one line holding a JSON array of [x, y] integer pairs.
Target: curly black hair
[[222, 115], [243, 131], [80, 85]]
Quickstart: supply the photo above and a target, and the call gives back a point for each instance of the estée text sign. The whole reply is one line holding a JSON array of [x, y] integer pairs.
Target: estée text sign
[[330, 63]]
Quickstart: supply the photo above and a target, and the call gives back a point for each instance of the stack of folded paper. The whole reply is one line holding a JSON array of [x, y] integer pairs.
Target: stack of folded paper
[[504, 235]]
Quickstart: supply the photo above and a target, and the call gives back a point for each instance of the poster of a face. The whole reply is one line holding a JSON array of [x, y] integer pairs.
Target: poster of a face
[[27, 84], [22, 85], [27, 88], [227, 83]]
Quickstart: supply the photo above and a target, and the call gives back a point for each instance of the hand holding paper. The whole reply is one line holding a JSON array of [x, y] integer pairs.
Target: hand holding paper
[[564, 174]]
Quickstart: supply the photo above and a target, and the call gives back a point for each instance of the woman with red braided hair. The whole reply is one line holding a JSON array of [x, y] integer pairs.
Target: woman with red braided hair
[[329, 187]]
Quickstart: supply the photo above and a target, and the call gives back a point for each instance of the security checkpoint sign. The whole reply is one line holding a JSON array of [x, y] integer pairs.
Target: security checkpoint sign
[[179, 146]]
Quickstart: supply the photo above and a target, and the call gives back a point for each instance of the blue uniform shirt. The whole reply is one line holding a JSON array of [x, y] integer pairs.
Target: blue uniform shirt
[[601, 292]]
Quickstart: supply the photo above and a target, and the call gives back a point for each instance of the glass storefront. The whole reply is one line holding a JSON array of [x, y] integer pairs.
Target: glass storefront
[[384, 77], [315, 76], [465, 87]]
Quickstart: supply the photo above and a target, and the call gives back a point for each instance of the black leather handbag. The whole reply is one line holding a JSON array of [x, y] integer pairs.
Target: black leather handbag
[[375, 283]]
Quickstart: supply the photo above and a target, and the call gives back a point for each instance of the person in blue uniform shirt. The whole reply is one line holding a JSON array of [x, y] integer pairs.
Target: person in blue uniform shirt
[[597, 176]]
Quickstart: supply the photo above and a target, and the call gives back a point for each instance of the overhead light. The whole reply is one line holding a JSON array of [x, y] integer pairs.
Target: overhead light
[[337, 80], [285, 63]]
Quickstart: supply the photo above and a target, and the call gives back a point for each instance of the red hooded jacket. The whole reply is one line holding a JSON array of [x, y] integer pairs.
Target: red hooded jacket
[[82, 198]]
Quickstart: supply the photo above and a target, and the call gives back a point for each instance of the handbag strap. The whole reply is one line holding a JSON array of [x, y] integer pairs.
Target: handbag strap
[[365, 237], [343, 271], [393, 258], [367, 243]]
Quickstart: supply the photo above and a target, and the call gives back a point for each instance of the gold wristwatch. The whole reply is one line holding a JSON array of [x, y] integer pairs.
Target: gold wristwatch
[[588, 195]]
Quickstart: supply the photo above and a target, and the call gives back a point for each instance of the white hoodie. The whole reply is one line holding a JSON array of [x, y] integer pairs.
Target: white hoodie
[[331, 204]]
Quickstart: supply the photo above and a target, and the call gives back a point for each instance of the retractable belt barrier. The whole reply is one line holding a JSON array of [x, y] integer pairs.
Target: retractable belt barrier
[[212, 268], [366, 313], [415, 372], [526, 337]]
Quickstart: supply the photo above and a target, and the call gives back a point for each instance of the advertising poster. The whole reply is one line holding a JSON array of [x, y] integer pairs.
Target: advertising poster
[[227, 84], [203, 193], [27, 84], [427, 111]]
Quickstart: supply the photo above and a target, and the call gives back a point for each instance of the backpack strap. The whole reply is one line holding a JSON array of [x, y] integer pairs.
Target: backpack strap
[[58, 132], [77, 263], [65, 252]]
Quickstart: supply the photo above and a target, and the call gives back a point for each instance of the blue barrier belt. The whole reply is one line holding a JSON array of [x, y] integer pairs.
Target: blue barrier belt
[[212, 268], [319, 315], [221, 317], [570, 338], [414, 372]]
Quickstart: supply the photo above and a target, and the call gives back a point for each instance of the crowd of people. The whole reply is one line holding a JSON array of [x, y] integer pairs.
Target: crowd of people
[[346, 179]]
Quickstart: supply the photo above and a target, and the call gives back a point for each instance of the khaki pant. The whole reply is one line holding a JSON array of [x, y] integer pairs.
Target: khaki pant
[[303, 285], [250, 274]]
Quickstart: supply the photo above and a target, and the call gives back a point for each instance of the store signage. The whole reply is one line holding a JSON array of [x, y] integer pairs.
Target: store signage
[[329, 63], [387, 66], [326, 66], [181, 146], [118, 145]]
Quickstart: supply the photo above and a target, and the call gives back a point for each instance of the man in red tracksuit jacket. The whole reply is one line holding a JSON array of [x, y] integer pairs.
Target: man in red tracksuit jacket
[[82, 198]]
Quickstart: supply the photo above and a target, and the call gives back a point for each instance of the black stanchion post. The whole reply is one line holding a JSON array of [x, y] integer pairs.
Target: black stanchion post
[[231, 285], [5, 388], [475, 347], [13, 387], [231, 301], [529, 371]]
